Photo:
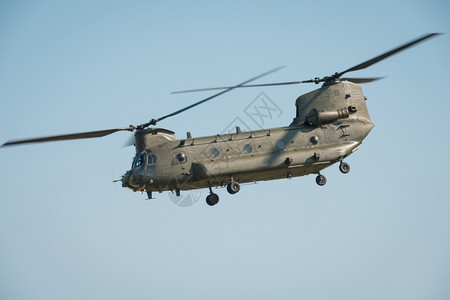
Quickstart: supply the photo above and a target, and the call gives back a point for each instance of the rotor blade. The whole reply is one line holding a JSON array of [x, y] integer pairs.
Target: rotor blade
[[337, 75], [387, 54], [242, 86], [355, 80], [218, 94], [72, 136], [361, 80], [129, 142]]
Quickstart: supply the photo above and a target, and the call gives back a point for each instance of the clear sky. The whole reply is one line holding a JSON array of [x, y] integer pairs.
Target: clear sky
[[68, 232]]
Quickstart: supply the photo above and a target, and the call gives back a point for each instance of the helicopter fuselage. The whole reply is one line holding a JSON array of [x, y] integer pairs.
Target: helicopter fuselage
[[330, 124]]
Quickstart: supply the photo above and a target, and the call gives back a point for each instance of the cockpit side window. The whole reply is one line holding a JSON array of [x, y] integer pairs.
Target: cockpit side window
[[151, 158], [151, 163]]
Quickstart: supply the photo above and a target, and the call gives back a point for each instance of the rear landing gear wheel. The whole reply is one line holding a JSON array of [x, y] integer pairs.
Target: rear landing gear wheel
[[233, 187], [212, 199], [321, 180], [344, 167]]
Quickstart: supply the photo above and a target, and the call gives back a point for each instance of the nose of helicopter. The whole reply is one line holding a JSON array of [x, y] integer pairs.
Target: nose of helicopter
[[126, 179], [132, 180]]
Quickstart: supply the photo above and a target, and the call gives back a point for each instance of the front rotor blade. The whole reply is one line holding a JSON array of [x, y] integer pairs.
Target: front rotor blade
[[72, 136], [387, 54], [215, 95], [129, 141]]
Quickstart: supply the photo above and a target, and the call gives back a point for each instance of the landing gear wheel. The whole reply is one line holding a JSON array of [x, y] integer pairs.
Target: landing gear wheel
[[233, 187], [321, 180], [344, 167], [212, 199]]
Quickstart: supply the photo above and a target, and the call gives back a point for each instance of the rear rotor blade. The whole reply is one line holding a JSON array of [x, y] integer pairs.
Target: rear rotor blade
[[242, 86], [72, 136], [387, 54], [334, 76], [361, 80], [317, 80]]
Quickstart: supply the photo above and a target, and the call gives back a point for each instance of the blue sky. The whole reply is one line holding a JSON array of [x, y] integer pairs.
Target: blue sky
[[68, 232]]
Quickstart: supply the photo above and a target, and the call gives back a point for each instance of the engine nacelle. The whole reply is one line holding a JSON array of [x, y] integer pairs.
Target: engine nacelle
[[317, 118]]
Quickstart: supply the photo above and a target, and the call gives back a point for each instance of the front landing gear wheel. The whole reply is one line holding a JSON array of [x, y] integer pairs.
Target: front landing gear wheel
[[344, 167], [321, 180], [233, 187], [212, 199]]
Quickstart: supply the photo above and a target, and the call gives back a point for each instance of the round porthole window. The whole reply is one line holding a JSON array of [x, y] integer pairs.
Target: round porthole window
[[181, 157], [281, 145], [248, 148], [214, 152], [314, 140]]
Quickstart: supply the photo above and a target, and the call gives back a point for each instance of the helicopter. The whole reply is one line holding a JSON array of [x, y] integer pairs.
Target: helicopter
[[330, 124]]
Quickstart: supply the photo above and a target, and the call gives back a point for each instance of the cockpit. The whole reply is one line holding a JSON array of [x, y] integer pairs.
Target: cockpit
[[147, 158]]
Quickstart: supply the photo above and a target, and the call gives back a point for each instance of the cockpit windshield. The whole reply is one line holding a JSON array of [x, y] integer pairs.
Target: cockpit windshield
[[138, 160]]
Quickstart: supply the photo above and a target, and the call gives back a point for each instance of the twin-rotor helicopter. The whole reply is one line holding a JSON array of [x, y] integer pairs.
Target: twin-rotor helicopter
[[330, 124]]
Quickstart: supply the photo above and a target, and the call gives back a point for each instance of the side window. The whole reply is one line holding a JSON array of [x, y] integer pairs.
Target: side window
[[181, 157], [281, 144], [214, 152], [248, 148], [178, 158]]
